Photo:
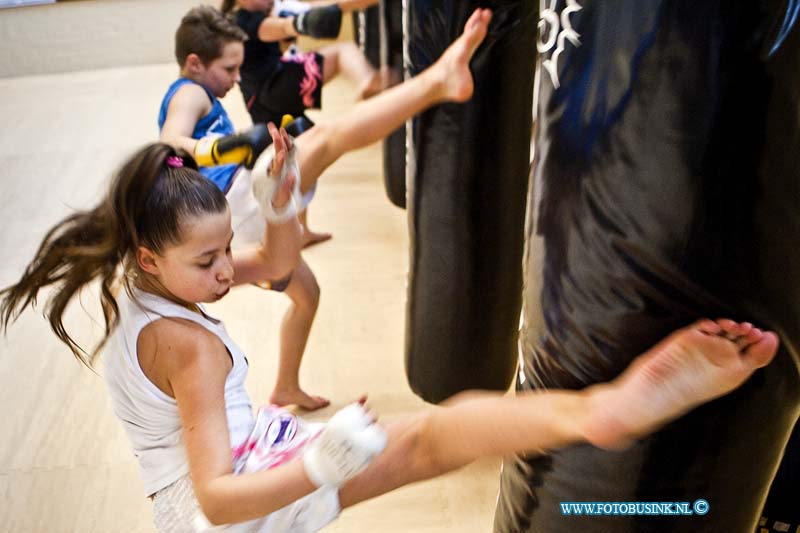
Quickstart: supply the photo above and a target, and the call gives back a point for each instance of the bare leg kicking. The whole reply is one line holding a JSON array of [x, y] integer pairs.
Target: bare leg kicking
[[447, 80], [692, 366]]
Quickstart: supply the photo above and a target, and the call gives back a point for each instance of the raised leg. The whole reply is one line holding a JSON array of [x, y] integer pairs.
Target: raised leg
[[692, 366], [448, 79]]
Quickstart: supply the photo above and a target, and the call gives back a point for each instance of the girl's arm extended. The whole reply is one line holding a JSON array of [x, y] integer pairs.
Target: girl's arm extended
[[196, 364]]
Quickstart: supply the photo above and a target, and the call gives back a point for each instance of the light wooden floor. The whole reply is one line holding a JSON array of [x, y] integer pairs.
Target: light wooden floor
[[65, 464]]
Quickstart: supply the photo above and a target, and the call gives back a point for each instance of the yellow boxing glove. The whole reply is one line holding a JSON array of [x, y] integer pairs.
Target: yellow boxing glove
[[240, 148]]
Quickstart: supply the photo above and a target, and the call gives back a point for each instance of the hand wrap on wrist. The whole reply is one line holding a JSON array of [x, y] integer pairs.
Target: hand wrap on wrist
[[349, 442], [265, 185]]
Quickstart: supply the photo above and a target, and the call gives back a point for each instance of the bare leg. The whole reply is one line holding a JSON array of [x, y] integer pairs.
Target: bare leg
[[303, 291], [277, 257], [311, 238], [449, 79], [347, 59], [345, 5], [295, 328], [692, 366], [256, 264], [352, 5]]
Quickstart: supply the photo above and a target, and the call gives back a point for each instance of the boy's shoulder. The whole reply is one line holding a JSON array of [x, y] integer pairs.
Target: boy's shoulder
[[186, 93], [189, 88]]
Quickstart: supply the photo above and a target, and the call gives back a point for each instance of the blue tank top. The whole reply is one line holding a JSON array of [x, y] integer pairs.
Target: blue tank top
[[216, 122]]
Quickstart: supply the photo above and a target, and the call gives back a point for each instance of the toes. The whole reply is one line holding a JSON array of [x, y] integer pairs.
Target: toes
[[477, 22], [319, 401], [311, 238], [314, 403], [753, 336], [733, 330], [761, 352], [727, 325], [708, 326]]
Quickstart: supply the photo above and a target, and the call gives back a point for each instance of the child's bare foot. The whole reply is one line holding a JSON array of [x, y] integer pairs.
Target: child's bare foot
[[299, 398], [310, 238], [453, 66], [692, 366]]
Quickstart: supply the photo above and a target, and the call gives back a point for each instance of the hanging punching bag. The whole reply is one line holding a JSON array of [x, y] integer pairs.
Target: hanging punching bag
[[666, 188], [394, 146], [366, 32], [379, 34], [467, 204]]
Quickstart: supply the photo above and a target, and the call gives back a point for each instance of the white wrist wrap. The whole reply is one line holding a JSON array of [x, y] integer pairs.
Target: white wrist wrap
[[349, 442], [265, 185]]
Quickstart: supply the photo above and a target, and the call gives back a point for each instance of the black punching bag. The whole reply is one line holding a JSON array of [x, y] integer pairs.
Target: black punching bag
[[666, 187], [366, 32], [379, 34], [394, 146], [467, 203]]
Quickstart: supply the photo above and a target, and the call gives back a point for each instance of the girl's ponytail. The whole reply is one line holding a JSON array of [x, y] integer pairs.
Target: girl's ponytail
[[144, 207], [77, 250]]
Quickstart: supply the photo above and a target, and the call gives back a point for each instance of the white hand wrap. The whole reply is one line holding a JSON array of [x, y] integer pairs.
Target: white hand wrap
[[346, 446], [265, 185]]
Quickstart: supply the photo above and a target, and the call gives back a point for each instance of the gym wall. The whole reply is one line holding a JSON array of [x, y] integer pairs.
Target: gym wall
[[88, 34]]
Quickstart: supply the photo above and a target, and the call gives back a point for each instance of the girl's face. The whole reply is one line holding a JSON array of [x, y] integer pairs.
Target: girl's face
[[200, 269]]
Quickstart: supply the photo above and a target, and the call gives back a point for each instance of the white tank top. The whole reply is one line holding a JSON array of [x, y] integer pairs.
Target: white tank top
[[149, 416]]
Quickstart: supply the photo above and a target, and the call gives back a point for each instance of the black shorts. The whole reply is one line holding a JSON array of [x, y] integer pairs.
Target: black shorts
[[294, 87]]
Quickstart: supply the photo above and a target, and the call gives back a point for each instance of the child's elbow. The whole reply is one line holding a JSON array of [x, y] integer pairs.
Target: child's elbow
[[212, 510]]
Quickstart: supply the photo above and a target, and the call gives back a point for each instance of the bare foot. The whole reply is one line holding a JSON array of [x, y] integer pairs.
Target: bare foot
[[299, 398], [310, 238], [692, 366], [453, 66]]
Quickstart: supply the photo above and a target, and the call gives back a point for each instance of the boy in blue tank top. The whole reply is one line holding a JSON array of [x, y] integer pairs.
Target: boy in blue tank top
[[215, 122], [209, 51]]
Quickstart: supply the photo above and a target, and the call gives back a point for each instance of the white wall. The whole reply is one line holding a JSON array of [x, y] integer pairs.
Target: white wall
[[89, 34]]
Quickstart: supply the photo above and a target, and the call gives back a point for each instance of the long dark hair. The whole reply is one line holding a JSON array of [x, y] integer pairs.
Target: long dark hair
[[150, 196], [227, 6]]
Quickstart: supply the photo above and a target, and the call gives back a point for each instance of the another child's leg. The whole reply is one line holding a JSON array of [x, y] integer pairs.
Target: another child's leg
[[295, 328], [347, 59], [311, 237], [692, 366], [449, 79], [352, 5], [251, 266]]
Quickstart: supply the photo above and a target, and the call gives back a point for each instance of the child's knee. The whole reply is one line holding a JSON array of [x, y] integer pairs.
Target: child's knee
[[309, 287], [315, 143]]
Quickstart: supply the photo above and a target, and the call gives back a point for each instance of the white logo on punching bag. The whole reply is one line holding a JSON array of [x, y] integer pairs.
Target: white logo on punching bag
[[553, 31]]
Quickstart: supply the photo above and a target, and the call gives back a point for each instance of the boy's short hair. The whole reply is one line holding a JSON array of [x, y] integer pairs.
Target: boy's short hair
[[205, 31]]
